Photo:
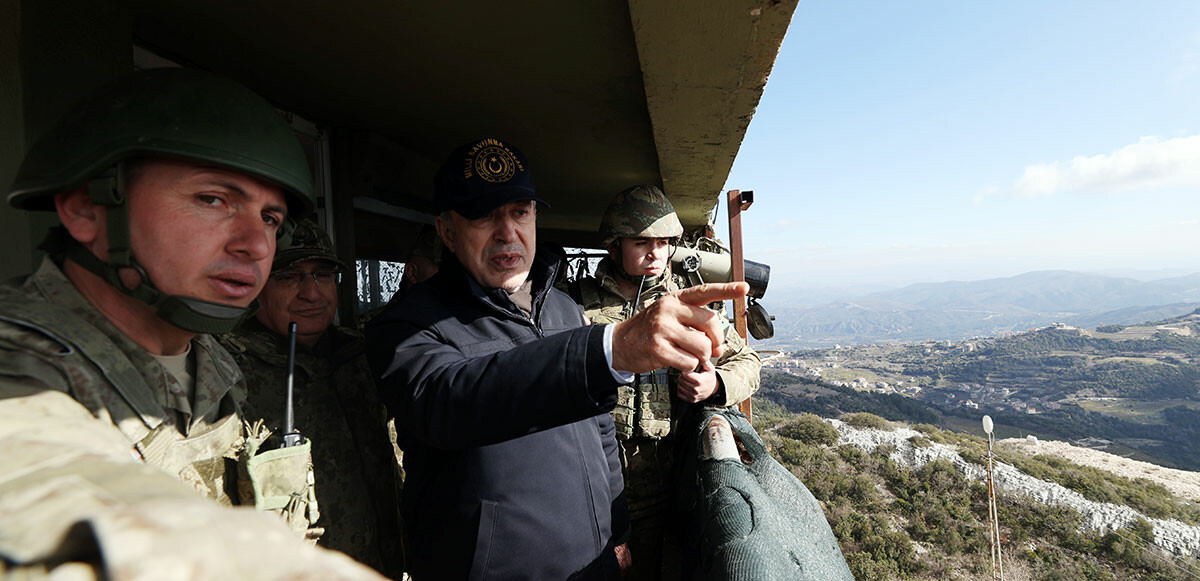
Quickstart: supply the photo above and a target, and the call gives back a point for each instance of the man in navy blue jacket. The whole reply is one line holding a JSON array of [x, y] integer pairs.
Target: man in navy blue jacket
[[501, 393]]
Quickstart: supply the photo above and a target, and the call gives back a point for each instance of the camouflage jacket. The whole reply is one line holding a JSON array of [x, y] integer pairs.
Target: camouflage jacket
[[336, 406], [95, 442], [54, 339], [646, 410]]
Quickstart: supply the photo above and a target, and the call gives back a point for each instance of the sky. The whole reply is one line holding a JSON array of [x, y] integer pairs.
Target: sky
[[924, 141]]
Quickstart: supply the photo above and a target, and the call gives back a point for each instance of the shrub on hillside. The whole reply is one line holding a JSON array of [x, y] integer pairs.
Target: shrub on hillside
[[810, 429], [874, 549], [866, 420], [927, 429]]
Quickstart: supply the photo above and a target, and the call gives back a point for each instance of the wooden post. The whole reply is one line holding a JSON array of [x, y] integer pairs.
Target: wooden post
[[737, 202]]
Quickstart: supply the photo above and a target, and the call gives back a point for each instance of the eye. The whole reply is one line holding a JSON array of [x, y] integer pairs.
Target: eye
[[271, 219], [210, 199], [290, 278]]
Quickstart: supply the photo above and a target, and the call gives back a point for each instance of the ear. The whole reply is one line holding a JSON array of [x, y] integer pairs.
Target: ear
[[82, 217], [614, 251], [445, 231]]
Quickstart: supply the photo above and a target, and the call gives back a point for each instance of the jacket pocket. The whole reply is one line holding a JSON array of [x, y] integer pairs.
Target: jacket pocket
[[483, 539]]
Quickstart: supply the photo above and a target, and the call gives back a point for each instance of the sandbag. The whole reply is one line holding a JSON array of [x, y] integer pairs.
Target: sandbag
[[748, 517]]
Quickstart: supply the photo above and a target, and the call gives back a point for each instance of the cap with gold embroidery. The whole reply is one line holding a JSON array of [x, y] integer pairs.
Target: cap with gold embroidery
[[483, 175]]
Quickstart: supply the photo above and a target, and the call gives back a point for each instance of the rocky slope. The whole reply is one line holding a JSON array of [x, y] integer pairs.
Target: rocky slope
[[1174, 536]]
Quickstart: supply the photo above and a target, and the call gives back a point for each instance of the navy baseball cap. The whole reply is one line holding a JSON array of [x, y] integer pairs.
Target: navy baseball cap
[[481, 176]]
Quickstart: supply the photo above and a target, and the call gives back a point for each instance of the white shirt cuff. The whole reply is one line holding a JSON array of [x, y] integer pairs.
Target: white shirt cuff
[[620, 376]]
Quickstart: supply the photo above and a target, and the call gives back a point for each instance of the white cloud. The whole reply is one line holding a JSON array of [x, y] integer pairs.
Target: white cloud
[[1150, 163]]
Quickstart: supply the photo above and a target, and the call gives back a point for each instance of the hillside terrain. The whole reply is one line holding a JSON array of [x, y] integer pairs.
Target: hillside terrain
[[1129, 389], [911, 503], [961, 310]]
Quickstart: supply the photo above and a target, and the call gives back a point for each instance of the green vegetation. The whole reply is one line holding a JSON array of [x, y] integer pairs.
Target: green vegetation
[[831, 401], [866, 420], [931, 523], [1135, 386], [810, 429], [1055, 363]]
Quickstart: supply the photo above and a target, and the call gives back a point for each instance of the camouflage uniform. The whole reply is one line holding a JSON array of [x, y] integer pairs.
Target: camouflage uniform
[[335, 404], [68, 377], [645, 411], [110, 452]]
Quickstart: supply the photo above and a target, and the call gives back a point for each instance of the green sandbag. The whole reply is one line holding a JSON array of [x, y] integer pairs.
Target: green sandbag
[[749, 518]]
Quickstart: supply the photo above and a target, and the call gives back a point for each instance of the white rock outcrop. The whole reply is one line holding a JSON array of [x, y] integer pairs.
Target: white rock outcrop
[[1172, 535]]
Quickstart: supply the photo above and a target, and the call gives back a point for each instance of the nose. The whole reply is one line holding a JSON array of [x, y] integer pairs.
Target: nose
[[308, 290], [250, 239], [506, 229]]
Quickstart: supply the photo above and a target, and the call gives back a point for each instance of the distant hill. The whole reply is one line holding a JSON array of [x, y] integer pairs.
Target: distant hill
[[1065, 512], [959, 310], [1136, 386]]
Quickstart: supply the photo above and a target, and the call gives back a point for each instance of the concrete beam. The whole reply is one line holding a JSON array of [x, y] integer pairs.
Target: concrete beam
[[705, 64]]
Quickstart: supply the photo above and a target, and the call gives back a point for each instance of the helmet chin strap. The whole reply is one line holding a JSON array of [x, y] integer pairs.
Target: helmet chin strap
[[187, 313]]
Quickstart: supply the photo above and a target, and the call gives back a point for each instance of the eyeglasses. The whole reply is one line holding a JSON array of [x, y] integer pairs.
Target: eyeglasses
[[293, 278]]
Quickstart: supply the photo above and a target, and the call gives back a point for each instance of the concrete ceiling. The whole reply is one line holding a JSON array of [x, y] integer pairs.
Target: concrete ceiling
[[599, 95]]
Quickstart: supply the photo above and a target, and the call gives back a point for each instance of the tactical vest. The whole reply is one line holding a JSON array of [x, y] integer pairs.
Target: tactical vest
[[222, 457], [644, 408]]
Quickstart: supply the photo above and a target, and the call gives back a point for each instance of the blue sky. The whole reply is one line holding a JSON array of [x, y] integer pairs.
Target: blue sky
[[923, 141]]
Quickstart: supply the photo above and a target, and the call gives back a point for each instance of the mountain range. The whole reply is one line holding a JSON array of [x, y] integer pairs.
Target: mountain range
[[959, 310]]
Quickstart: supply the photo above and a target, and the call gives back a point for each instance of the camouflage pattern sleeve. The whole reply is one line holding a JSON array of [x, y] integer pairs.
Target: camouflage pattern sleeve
[[738, 368], [65, 471]]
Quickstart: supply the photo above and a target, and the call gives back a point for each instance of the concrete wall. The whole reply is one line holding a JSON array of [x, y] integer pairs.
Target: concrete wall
[[51, 55]]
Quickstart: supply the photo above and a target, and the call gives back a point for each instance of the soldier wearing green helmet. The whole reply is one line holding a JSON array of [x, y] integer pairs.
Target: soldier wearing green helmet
[[122, 417], [640, 229]]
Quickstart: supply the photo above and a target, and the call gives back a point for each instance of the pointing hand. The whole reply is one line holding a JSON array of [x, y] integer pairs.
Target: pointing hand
[[676, 331]]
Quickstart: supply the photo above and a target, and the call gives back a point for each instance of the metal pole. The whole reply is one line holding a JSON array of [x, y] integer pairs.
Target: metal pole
[[994, 518], [993, 513], [738, 201]]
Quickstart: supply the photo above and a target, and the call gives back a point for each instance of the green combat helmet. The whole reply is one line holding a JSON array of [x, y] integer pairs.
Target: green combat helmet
[[308, 241], [176, 113], [640, 212]]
